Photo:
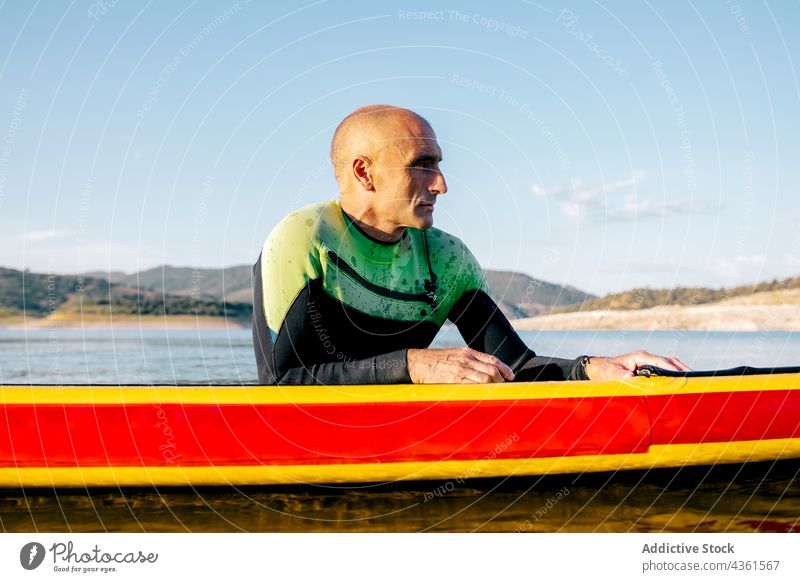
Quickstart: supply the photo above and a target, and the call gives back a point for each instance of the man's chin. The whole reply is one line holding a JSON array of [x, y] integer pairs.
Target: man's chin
[[425, 223], [424, 220]]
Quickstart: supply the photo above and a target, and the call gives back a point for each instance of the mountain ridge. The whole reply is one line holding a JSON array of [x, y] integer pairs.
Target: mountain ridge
[[223, 296], [517, 294]]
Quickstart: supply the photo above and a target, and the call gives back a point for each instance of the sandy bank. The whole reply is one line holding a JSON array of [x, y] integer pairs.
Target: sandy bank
[[741, 314]]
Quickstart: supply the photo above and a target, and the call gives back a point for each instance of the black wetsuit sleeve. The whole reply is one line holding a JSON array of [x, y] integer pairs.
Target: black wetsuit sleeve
[[286, 359], [484, 327]]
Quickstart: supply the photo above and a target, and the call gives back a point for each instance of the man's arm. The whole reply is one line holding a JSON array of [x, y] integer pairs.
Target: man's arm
[[283, 363], [485, 329], [383, 369], [490, 335]]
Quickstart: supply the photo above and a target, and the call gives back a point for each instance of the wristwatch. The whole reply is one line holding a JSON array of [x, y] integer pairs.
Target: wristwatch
[[584, 361]]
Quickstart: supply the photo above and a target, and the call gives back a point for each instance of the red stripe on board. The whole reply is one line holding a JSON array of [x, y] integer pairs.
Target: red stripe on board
[[198, 435], [725, 416]]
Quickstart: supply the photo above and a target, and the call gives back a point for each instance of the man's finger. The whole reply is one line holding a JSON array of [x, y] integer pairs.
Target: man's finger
[[470, 376], [681, 365], [498, 370], [625, 372], [492, 372], [506, 372]]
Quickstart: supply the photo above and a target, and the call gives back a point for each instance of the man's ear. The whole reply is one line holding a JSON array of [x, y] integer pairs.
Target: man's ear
[[362, 171]]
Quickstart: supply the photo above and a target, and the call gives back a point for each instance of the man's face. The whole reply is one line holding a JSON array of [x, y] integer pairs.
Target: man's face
[[406, 175]]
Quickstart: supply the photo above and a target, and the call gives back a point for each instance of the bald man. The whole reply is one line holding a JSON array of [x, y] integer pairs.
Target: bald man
[[353, 291]]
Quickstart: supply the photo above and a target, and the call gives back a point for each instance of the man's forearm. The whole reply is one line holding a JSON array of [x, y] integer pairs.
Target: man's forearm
[[391, 368], [486, 329]]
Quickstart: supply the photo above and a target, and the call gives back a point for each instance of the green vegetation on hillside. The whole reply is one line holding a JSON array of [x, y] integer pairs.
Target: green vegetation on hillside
[[40, 295]]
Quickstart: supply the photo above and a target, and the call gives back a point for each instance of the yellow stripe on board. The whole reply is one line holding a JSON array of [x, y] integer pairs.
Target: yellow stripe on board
[[658, 456], [387, 393]]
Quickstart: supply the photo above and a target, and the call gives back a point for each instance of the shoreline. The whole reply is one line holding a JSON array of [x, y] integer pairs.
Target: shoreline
[[760, 312], [713, 317]]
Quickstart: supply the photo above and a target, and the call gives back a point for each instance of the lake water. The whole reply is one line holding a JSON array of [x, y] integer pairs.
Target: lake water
[[755, 497], [225, 356]]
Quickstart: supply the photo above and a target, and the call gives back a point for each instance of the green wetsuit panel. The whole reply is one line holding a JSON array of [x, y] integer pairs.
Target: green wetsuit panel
[[319, 242]]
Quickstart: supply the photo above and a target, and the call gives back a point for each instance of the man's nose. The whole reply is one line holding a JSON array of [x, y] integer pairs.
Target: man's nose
[[438, 186]]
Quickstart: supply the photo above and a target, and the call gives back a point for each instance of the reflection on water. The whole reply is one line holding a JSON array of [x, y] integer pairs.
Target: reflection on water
[[732, 498], [756, 497]]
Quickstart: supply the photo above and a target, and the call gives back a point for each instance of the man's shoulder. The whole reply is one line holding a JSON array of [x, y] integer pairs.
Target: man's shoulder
[[302, 225], [308, 217]]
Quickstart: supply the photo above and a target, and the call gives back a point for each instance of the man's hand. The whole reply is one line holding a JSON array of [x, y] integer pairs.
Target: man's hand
[[625, 366], [456, 366]]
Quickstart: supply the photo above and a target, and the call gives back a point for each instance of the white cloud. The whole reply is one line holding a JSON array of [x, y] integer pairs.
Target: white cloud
[[40, 235], [595, 204], [792, 260], [662, 272], [738, 268]]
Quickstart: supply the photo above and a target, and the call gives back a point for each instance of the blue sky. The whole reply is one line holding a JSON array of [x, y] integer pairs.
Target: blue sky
[[604, 145]]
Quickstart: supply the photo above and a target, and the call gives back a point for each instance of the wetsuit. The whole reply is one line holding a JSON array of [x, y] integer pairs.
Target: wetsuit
[[334, 306]]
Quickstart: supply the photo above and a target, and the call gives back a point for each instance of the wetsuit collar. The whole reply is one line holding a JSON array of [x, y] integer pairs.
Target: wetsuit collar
[[351, 224]]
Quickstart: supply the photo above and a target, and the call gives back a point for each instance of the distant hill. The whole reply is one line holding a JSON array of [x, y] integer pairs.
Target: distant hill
[[113, 276], [39, 295], [520, 295], [232, 284], [644, 298], [226, 293], [517, 294]]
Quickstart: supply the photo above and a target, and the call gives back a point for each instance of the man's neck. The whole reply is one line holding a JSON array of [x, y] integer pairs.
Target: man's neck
[[366, 220]]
